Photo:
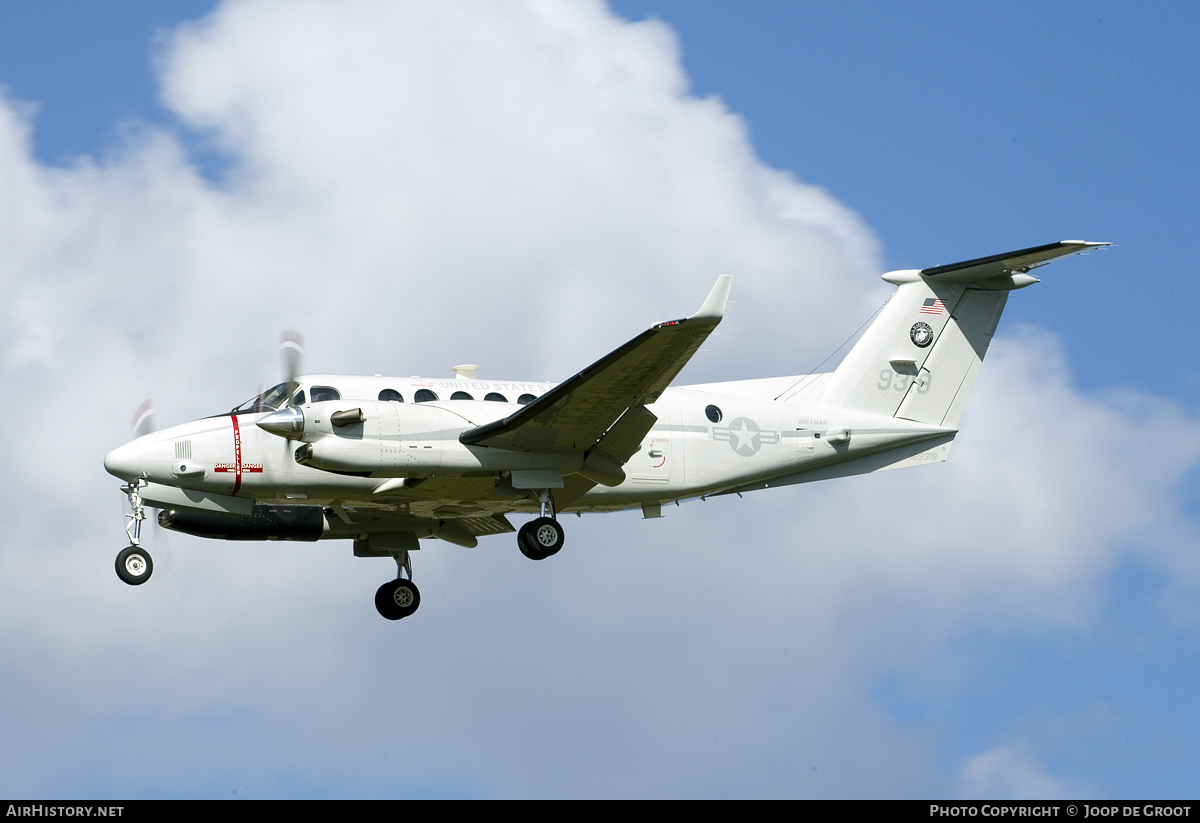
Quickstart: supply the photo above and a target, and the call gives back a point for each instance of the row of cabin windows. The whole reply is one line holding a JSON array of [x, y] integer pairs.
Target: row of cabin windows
[[319, 393], [427, 396]]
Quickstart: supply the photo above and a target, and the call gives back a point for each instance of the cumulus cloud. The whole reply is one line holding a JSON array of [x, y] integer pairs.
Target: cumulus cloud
[[1011, 772], [525, 186]]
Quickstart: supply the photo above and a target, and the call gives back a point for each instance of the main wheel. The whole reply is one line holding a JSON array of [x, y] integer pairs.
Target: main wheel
[[397, 598], [134, 565], [526, 545], [540, 538]]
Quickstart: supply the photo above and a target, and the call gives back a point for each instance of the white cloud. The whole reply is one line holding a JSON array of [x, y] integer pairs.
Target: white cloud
[[1009, 773], [522, 185]]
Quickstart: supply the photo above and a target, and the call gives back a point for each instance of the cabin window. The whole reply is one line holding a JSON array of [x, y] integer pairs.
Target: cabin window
[[461, 395], [424, 396], [499, 398], [526, 398], [391, 394], [298, 400], [713, 414], [320, 393]]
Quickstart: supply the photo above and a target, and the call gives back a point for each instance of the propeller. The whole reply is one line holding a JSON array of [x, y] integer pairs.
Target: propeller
[[291, 351], [143, 419]]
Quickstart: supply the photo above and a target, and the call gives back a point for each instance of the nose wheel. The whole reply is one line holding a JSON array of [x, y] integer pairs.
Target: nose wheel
[[134, 565]]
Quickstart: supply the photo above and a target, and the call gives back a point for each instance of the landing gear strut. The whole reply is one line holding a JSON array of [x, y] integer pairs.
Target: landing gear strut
[[543, 536], [134, 565], [398, 598]]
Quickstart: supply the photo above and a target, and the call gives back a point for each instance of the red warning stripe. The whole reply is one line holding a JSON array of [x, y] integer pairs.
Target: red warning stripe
[[237, 467]]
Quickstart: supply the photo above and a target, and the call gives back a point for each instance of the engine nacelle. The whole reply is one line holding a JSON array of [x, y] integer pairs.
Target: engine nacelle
[[398, 440]]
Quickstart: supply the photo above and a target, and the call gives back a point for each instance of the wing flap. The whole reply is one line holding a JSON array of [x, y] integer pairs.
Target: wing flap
[[626, 436], [491, 524]]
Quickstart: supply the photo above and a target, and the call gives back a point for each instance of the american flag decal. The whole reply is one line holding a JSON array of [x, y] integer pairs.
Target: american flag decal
[[933, 305]]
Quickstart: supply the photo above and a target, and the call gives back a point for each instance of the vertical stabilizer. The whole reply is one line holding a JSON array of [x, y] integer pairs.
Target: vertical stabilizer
[[888, 360], [919, 359]]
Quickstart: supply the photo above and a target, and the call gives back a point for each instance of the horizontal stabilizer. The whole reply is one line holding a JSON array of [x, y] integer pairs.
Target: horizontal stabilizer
[[1013, 262]]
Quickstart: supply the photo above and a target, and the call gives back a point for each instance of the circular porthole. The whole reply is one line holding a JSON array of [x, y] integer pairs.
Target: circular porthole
[[713, 414]]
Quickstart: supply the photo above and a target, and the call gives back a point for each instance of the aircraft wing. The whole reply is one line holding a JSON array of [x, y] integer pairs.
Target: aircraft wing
[[574, 415], [1013, 262]]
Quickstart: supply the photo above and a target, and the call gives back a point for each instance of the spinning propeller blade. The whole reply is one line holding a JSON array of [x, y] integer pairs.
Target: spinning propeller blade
[[143, 419], [291, 350]]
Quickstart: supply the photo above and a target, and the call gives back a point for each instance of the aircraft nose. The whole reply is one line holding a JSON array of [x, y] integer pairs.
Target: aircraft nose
[[125, 462]]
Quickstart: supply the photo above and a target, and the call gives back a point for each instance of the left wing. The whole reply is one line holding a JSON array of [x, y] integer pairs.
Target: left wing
[[574, 415]]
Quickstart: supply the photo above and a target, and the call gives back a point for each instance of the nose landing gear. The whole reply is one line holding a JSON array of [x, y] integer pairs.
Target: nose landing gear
[[134, 565]]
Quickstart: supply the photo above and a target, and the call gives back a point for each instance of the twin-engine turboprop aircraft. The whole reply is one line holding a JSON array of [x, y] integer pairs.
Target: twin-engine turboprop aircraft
[[387, 462]]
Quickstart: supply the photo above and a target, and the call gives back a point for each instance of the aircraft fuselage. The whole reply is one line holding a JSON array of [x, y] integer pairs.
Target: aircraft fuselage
[[685, 454]]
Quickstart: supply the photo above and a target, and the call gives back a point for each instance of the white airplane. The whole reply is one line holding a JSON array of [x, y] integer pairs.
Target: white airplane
[[387, 461]]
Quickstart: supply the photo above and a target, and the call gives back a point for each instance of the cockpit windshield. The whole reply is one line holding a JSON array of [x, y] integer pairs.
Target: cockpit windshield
[[272, 399]]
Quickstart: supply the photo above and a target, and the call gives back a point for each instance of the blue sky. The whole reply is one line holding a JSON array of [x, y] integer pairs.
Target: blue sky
[[952, 133], [956, 132], [955, 135]]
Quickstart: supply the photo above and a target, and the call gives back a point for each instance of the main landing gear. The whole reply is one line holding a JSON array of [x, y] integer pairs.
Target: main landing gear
[[543, 536], [398, 598], [134, 565]]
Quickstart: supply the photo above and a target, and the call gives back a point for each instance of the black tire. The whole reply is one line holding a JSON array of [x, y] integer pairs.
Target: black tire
[[397, 599], [540, 538], [525, 543], [134, 565]]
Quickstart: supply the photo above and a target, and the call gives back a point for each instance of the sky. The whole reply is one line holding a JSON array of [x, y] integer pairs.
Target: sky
[[525, 186]]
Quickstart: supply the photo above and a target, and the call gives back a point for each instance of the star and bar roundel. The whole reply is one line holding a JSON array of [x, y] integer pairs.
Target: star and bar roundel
[[744, 436]]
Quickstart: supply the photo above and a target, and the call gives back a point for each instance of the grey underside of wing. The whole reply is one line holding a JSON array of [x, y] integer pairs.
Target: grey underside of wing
[[420, 516], [572, 417], [1021, 260]]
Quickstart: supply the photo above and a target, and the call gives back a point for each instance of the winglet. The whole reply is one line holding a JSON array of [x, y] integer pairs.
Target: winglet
[[714, 304]]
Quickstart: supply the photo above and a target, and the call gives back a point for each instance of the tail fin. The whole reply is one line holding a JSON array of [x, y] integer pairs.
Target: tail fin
[[919, 359]]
